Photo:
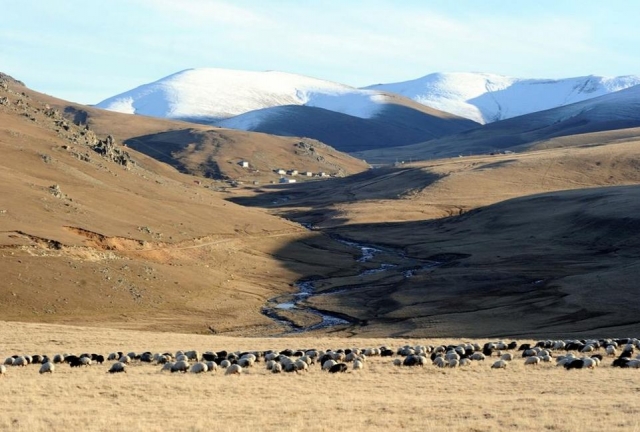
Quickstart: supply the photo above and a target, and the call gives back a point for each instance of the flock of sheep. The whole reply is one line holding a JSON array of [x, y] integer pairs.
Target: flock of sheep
[[571, 354]]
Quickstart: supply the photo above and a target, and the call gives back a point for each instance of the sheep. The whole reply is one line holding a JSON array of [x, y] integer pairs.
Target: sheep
[[47, 367], [211, 366], [180, 366], [3, 370], [9, 361], [439, 362], [277, 368], [413, 360], [112, 356], [500, 364], [246, 362], [506, 357], [397, 362], [59, 358], [225, 364], [20, 361], [132, 355], [182, 357], [167, 367], [358, 365], [301, 365], [574, 364], [611, 350], [124, 359], [635, 364], [199, 368], [117, 368], [465, 362], [453, 363], [234, 369], [589, 363], [193, 355], [478, 356], [328, 364], [339, 367], [533, 360]]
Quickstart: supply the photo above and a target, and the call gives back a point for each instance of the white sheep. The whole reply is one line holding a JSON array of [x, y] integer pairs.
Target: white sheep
[[439, 362], [20, 361], [453, 363], [125, 359], [59, 358], [358, 365], [193, 355], [180, 366], [478, 356], [225, 364], [506, 357], [9, 361], [234, 369], [212, 366], [86, 361], [182, 357], [465, 362], [533, 361], [500, 364], [3, 370], [588, 362], [611, 350], [277, 368], [635, 364], [198, 368], [301, 365], [118, 367], [47, 367], [167, 367]]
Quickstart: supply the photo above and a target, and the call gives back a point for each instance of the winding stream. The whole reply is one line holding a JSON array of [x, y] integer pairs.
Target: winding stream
[[307, 289]]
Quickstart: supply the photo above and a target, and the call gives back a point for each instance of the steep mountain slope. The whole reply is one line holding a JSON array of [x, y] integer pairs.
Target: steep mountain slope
[[279, 103], [487, 98], [617, 112]]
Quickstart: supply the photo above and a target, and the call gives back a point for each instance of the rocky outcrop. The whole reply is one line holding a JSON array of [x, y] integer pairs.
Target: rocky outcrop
[[81, 139]]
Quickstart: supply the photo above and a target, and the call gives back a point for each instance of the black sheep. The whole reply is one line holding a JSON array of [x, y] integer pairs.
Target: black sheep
[[576, 364], [386, 353], [340, 367]]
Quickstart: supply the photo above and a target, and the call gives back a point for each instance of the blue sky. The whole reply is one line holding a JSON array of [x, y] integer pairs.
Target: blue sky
[[88, 50]]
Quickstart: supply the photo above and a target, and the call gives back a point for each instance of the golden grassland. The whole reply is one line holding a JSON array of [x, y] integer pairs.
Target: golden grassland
[[379, 397]]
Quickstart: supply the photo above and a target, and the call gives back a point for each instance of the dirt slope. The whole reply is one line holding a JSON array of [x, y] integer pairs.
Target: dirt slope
[[90, 238]]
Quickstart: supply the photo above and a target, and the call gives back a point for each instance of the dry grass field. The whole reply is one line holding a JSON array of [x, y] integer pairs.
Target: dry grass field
[[380, 397]]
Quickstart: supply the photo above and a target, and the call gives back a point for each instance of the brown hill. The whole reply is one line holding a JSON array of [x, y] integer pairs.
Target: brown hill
[[96, 233]]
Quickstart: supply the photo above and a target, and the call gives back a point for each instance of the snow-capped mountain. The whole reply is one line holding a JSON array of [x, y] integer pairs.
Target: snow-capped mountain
[[279, 103], [617, 113], [209, 94], [486, 98]]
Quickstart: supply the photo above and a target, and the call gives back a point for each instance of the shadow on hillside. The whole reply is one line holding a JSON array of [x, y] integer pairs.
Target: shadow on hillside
[[311, 201], [181, 149], [534, 267]]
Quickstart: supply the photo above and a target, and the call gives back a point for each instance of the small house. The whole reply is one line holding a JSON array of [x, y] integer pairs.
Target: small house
[[280, 172], [307, 173], [244, 164], [287, 180], [292, 172]]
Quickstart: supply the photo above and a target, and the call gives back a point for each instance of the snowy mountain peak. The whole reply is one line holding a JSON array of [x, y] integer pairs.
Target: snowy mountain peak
[[487, 98], [214, 94]]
